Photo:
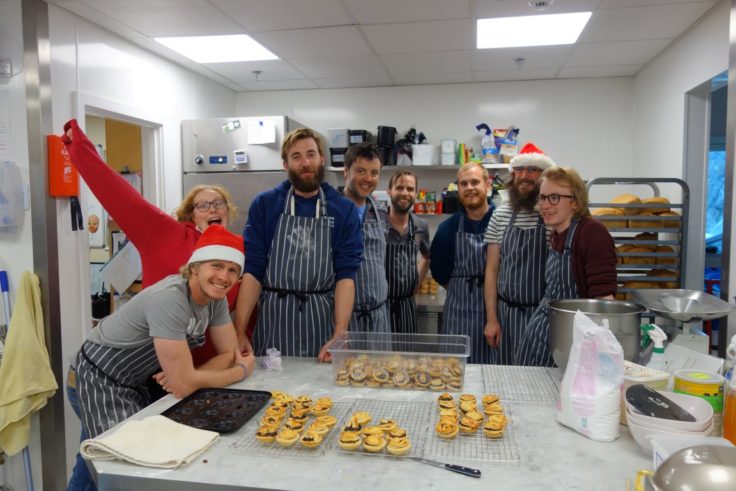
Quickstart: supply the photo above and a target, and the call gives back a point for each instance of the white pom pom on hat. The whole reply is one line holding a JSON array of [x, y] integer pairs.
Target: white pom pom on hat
[[531, 156], [218, 243]]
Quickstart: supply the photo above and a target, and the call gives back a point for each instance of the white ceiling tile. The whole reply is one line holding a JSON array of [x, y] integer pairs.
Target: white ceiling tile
[[483, 9], [280, 85], [536, 57], [652, 22], [388, 11], [438, 62], [242, 72], [421, 36], [314, 43], [599, 71], [524, 74], [434, 78], [340, 66], [160, 18], [616, 53], [277, 15], [613, 4], [351, 82]]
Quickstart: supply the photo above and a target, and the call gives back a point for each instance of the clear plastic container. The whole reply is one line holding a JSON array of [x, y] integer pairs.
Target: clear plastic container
[[638, 374], [400, 361]]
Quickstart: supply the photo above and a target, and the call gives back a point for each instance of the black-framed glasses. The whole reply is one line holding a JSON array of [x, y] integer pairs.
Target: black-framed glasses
[[529, 170], [204, 206], [554, 199]]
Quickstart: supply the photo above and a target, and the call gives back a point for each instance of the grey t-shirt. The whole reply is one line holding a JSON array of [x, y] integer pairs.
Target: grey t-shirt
[[421, 232], [163, 310]]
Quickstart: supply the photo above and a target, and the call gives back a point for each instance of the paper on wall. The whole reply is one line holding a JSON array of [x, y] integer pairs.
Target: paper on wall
[[123, 268], [261, 132]]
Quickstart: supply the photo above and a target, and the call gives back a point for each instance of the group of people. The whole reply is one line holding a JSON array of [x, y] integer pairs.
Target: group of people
[[315, 262]]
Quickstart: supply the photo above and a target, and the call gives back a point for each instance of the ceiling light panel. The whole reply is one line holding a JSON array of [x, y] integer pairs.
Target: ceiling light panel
[[218, 49], [534, 30]]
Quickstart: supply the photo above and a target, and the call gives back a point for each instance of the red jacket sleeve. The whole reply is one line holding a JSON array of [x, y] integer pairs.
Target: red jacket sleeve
[[141, 221]]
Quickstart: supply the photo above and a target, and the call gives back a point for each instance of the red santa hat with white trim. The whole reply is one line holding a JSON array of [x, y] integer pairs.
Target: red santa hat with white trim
[[531, 156], [218, 243]]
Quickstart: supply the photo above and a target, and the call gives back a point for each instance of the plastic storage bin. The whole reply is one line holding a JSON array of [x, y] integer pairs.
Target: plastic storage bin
[[400, 361]]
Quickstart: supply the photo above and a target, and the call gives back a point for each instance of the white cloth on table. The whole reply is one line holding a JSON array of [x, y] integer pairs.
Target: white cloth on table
[[155, 441]]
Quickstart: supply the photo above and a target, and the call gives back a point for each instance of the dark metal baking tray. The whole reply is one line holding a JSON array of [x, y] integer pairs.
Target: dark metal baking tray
[[220, 410]]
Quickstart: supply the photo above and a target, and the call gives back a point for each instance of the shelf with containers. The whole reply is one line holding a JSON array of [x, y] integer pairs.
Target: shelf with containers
[[650, 235]]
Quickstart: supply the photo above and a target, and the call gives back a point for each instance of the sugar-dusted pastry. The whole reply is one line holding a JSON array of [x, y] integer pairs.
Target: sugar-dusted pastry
[[266, 434], [311, 439], [319, 428], [474, 415], [398, 446], [349, 440], [327, 420], [358, 375], [498, 419], [381, 375], [422, 379], [287, 437], [446, 429], [374, 443], [401, 379], [450, 413]]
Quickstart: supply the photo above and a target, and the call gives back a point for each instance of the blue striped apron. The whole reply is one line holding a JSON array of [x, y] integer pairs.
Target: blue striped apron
[[534, 347], [523, 254], [370, 312], [295, 310], [402, 275], [465, 311], [111, 382]]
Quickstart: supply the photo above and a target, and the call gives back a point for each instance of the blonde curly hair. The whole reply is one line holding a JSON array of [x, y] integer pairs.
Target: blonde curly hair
[[185, 210]]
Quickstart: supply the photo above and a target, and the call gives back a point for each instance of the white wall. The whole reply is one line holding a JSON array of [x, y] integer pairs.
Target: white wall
[[91, 61], [586, 123], [16, 246]]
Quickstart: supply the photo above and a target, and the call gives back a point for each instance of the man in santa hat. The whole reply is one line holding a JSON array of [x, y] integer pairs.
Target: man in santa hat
[[517, 251]]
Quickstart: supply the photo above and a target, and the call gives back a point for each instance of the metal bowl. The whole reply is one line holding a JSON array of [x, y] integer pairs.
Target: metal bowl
[[694, 468], [683, 305], [624, 319]]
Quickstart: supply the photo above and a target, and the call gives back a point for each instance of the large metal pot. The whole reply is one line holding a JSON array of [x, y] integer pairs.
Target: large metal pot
[[624, 319]]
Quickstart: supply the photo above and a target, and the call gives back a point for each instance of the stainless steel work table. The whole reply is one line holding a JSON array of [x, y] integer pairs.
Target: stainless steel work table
[[552, 457]]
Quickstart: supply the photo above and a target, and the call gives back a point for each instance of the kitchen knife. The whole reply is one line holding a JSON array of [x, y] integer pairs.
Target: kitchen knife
[[466, 471]]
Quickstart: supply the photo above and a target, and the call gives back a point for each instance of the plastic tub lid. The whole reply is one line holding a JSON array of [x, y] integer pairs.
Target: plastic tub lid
[[642, 374], [699, 376]]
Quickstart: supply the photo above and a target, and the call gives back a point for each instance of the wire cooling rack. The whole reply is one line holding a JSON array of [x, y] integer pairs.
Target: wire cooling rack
[[533, 385], [414, 417], [475, 446], [248, 444]]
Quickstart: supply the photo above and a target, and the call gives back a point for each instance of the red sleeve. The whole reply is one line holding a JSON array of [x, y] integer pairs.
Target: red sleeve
[[141, 221], [594, 262]]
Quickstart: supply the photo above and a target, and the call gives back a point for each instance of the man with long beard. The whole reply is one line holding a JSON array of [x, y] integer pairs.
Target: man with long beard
[[517, 252], [304, 246], [407, 235], [458, 260]]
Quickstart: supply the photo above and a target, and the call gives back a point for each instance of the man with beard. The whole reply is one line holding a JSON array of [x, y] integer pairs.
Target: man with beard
[[458, 260], [362, 171], [517, 252], [304, 246], [407, 235]]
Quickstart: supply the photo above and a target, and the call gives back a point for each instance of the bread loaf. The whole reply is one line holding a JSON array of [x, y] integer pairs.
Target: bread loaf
[[647, 236], [620, 249], [665, 260], [669, 223], [639, 259], [645, 223], [663, 273], [657, 203], [598, 212], [627, 199], [641, 284]]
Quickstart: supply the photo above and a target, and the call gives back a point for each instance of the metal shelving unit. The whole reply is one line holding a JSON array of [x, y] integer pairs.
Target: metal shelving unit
[[671, 231]]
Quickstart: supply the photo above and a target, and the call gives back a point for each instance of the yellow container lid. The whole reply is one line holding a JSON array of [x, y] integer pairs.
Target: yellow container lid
[[698, 377]]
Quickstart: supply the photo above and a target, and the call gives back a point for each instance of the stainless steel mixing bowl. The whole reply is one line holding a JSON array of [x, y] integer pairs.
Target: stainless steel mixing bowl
[[624, 319], [695, 468]]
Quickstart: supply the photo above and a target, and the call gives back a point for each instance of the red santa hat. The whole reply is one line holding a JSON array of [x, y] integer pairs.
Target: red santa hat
[[531, 156], [218, 243]]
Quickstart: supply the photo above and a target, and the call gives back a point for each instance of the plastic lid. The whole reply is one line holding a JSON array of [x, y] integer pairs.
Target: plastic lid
[[699, 376]]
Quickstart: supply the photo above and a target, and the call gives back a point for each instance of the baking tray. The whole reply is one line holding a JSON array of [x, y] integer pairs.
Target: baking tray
[[531, 385], [683, 305], [221, 410]]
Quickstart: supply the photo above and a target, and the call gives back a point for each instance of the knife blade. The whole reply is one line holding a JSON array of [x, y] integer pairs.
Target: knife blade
[[466, 471]]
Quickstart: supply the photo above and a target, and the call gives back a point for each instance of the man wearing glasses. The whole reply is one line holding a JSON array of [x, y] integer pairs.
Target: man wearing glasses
[[517, 252]]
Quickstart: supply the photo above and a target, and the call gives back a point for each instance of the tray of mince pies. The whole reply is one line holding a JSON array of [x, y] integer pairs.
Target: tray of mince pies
[[400, 361], [383, 436], [221, 410]]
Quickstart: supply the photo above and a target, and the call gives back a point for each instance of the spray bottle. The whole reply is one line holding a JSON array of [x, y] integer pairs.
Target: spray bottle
[[728, 367], [658, 337], [489, 150]]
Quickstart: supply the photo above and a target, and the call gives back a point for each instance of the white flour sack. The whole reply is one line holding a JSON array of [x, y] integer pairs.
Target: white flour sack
[[590, 393]]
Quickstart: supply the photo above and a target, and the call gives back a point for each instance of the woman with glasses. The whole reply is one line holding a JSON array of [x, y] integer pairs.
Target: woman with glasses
[[581, 261]]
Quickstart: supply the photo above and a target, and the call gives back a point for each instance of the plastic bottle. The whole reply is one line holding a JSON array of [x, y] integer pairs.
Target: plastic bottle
[[729, 412], [657, 361], [730, 360]]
